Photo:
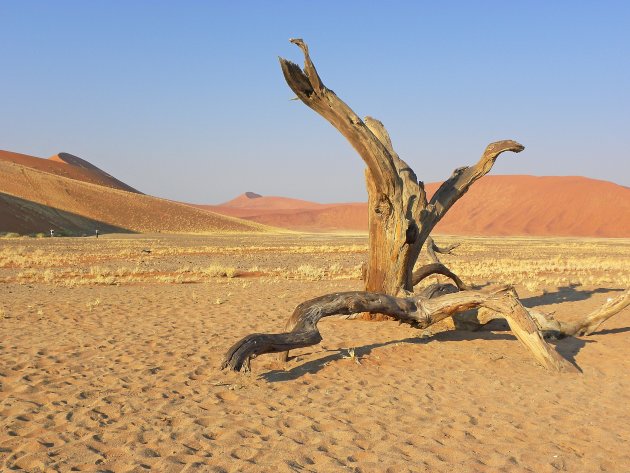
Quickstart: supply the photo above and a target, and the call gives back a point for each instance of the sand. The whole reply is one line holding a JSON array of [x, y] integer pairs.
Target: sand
[[123, 377]]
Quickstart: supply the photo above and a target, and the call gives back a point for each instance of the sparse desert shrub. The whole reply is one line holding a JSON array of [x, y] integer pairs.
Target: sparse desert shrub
[[531, 285], [69, 283], [92, 304], [310, 272], [48, 276], [335, 268], [220, 271], [98, 271], [356, 272], [104, 280], [172, 279], [28, 275]]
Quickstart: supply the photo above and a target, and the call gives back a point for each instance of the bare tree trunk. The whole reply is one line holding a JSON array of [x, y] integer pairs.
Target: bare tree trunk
[[400, 218]]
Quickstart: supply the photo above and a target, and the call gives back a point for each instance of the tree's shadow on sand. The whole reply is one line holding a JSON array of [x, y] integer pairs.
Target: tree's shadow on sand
[[313, 366], [568, 347], [565, 294]]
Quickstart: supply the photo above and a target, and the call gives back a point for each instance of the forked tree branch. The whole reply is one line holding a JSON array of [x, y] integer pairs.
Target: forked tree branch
[[432, 249], [458, 184], [548, 325], [595, 319]]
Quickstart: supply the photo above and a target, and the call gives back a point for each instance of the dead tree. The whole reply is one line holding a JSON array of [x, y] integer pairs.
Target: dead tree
[[433, 304], [400, 217], [400, 222]]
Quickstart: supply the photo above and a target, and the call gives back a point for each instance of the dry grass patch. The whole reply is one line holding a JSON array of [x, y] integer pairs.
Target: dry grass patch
[[532, 263], [536, 263], [220, 271]]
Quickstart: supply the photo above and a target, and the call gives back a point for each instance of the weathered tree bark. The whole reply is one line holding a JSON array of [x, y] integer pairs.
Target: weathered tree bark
[[400, 218], [417, 311]]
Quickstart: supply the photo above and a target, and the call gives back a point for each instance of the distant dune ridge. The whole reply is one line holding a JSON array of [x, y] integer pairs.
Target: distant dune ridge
[[69, 194], [494, 206]]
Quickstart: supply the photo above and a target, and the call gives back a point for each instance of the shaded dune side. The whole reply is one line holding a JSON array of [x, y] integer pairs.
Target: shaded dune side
[[24, 216], [494, 206], [68, 166], [117, 208]]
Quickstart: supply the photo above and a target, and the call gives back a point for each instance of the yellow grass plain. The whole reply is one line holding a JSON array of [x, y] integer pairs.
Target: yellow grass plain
[[110, 347]]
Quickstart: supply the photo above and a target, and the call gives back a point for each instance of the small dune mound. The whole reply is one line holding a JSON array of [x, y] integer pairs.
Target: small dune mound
[[251, 200]]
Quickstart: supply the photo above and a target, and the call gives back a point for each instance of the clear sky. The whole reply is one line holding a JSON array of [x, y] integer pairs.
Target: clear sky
[[186, 100]]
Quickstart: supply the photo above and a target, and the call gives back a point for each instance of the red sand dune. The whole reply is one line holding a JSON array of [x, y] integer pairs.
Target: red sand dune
[[495, 205], [326, 217], [69, 166]]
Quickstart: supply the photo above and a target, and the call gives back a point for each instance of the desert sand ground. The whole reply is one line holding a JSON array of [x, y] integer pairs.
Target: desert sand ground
[[109, 355]]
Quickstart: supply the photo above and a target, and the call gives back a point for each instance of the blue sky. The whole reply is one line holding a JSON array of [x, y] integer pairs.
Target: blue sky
[[186, 100]]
